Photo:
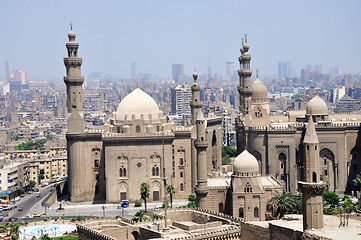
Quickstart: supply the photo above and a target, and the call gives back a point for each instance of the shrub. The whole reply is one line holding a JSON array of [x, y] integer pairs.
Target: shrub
[[192, 198], [331, 197], [137, 203]]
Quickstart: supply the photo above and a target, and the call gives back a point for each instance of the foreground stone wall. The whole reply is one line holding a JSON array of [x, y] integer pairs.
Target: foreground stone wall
[[254, 232]]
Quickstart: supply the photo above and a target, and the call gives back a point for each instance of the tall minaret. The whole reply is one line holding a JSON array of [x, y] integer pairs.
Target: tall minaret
[[312, 188], [196, 104], [201, 146], [245, 74], [74, 82]]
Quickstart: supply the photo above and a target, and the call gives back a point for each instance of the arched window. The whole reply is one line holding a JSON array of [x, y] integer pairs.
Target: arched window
[[124, 172], [137, 129], [157, 171], [240, 212], [181, 174], [153, 171], [256, 212], [220, 207], [121, 172], [181, 187]]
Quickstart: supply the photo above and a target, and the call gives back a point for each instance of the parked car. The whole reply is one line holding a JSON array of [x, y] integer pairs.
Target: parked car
[[36, 215], [38, 194], [12, 219], [17, 199], [125, 204], [1, 218], [28, 217], [20, 208]]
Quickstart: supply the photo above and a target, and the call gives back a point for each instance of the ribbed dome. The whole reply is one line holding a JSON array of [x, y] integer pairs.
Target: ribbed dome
[[316, 106], [245, 163], [259, 90], [71, 34], [138, 102]]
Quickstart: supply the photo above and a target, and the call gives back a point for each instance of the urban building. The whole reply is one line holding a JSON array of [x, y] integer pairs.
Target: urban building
[[284, 69], [178, 73], [229, 69], [181, 96]]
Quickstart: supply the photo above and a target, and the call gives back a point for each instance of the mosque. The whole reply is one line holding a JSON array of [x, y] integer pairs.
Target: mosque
[[139, 144]]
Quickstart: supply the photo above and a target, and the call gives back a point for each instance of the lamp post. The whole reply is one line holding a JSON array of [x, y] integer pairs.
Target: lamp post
[[103, 207]]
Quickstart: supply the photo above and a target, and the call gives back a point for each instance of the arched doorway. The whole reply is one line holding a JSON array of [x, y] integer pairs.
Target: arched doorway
[[327, 167], [283, 168], [214, 150]]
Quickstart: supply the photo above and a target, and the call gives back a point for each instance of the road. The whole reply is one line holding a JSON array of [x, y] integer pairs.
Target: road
[[28, 203]]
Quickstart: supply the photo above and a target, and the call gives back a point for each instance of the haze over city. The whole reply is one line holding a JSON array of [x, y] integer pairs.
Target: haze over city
[[156, 34]]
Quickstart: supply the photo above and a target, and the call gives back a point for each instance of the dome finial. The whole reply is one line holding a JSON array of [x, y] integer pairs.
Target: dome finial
[[257, 72], [195, 75], [242, 40], [245, 37], [71, 26]]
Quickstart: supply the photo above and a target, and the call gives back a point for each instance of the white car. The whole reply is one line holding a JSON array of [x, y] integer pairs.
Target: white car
[[28, 217]]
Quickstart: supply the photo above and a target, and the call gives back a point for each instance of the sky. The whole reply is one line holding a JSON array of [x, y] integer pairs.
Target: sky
[[156, 34]]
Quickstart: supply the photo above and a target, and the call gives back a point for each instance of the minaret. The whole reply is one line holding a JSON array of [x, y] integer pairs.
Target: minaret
[[196, 104], [312, 188], [74, 82], [245, 74], [201, 146]]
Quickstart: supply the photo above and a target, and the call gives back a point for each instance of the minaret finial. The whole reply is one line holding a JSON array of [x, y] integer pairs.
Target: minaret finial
[[71, 26], [242, 40], [245, 37], [195, 75], [257, 72]]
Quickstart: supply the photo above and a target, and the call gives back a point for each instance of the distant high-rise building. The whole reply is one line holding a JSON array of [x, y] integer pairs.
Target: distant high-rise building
[[229, 69], [318, 68], [18, 76], [7, 75], [310, 68], [284, 69], [181, 98], [178, 72], [134, 70], [209, 73], [335, 71]]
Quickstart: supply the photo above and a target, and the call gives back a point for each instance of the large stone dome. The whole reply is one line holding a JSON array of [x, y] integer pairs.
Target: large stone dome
[[138, 103], [316, 106], [259, 91], [245, 164]]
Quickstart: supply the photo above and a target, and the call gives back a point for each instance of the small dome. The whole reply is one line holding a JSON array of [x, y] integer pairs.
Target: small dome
[[259, 90], [316, 106], [138, 103], [71, 34], [245, 163], [245, 47]]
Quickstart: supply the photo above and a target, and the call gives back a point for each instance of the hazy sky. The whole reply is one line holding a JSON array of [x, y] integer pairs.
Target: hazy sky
[[155, 34]]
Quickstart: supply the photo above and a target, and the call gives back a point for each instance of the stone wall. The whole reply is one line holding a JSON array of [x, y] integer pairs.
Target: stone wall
[[53, 196], [254, 232], [282, 233]]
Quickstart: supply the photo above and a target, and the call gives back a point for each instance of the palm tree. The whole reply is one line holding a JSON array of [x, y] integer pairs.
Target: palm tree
[[357, 180], [14, 230], [171, 191], [144, 193], [281, 203], [45, 237]]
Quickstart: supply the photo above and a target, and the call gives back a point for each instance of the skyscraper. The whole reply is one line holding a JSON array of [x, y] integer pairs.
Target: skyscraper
[[134, 70], [229, 69], [181, 97], [318, 68], [284, 69], [178, 72], [7, 76], [335, 71]]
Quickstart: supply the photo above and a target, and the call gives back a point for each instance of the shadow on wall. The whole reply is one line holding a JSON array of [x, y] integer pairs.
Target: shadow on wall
[[355, 164]]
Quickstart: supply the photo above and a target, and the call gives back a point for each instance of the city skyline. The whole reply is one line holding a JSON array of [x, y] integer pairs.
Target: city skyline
[[155, 36]]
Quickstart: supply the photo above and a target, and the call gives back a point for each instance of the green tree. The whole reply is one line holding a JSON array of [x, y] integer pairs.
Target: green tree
[[357, 180], [227, 153], [281, 203], [331, 198], [14, 230], [45, 237], [41, 177], [192, 198], [32, 184], [138, 216], [144, 193], [171, 191]]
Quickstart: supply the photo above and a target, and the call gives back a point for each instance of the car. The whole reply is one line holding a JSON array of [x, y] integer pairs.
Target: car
[[37, 194], [17, 199], [28, 217], [20, 208], [158, 208], [125, 204], [36, 215], [12, 219], [1, 218], [42, 185]]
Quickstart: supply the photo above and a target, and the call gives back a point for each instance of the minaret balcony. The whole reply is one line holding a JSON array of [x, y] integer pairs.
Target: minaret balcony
[[73, 61], [74, 79], [196, 104], [201, 144], [246, 72]]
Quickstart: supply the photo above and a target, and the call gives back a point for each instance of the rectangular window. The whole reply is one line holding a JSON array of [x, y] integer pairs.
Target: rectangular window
[[155, 195], [181, 161], [123, 196], [325, 172], [96, 163], [181, 187]]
